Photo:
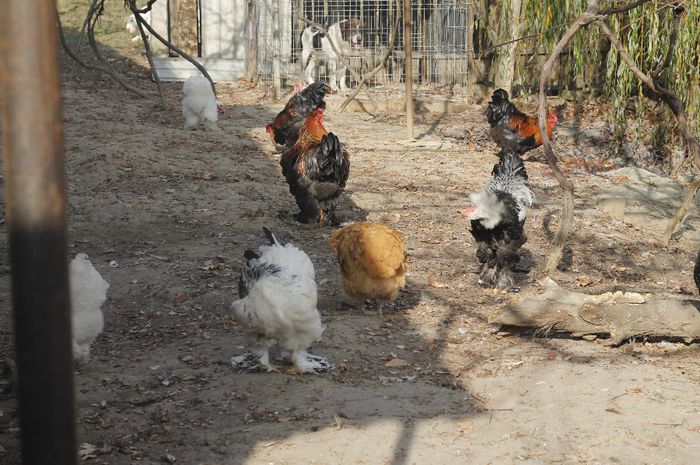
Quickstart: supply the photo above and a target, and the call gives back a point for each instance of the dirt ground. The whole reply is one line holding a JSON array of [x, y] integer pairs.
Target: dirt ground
[[176, 209]]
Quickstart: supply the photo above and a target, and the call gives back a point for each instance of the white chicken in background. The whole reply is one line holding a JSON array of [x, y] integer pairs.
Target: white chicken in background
[[88, 293], [199, 103], [133, 28], [277, 304]]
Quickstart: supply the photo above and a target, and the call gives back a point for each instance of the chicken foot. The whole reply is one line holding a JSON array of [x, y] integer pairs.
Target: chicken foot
[[308, 363], [257, 360]]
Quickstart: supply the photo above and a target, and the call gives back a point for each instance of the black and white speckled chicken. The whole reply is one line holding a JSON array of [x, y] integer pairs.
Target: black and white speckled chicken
[[497, 218], [277, 305]]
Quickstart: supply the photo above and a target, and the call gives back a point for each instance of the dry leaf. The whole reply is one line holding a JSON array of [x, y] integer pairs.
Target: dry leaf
[[634, 389], [584, 280], [396, 363], [614, 410]]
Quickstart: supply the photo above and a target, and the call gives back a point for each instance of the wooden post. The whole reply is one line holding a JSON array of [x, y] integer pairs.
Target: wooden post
[[251, 61], [408, 65], [35, 202]]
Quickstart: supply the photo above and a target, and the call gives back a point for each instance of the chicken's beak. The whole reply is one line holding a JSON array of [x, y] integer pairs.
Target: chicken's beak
[[468, 211]]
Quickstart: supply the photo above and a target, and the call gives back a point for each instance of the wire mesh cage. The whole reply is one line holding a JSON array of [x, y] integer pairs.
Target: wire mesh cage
[[362, 30]]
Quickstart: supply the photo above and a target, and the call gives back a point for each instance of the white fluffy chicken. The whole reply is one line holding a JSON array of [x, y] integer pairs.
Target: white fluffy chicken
[[88, 293], [277, 304], [497, 219], [199, 104]]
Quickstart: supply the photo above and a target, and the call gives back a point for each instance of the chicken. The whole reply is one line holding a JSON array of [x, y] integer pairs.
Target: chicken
[[284, 130], [316, 169], [277, 304], [88, 293], [199, 103], [497, 218], [372, 260], [513, 130]]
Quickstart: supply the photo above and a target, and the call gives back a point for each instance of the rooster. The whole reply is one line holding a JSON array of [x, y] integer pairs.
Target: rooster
[[513, 130], [199, 103], [497, 218], [372, 260], [316, 169], [277, 304], [88, 293], [284, 130]]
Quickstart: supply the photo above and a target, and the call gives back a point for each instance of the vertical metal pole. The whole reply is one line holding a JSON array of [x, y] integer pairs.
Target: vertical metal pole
[[35, 201], [277, 40], [408, 64]]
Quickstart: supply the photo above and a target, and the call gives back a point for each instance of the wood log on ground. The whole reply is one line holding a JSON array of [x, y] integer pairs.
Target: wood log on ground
[[619, 315]]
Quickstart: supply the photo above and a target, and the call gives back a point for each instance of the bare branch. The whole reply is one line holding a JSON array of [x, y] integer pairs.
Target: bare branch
[[149, 57], [116, 76], [567, 215], [85, 24], [623, 9]]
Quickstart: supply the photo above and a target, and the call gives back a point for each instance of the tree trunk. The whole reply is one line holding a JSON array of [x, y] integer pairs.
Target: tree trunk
[[505, 64]]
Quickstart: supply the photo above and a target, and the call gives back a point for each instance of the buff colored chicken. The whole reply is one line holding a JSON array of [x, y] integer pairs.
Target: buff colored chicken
[[372, 260]]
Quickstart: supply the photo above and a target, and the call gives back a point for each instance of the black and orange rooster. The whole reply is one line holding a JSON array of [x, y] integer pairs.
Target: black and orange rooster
[[316, 169], [284, 130], [512, 129]]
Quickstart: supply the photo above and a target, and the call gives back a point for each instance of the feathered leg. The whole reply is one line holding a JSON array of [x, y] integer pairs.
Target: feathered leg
[[328, 212], [310, 209], [253, 361], [487, 258], [307, 363], [507, 257]]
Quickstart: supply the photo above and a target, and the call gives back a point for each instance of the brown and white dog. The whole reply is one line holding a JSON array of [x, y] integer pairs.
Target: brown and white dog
[[345, 35]]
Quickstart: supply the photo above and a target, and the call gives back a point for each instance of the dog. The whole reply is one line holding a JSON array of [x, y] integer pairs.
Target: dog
[[346, 36], [133, 28]]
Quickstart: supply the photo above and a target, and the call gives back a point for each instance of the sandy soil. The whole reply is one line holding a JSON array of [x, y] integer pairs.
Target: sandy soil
[[176, 209]]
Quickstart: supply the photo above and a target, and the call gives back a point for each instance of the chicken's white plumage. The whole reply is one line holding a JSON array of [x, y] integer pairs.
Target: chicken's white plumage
[[277, 304], [199, 103], [88, 293]]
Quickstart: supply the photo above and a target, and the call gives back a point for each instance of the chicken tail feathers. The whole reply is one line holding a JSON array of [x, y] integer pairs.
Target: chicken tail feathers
[[330, 157], [270, 237], [250, 255]]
